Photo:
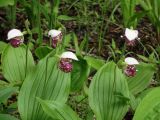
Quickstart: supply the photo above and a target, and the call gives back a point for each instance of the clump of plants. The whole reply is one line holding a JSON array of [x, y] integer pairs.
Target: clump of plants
[[49, 73]]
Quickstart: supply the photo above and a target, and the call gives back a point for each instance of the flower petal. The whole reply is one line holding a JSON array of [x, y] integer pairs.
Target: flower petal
[[54, 33], [131, 61], [131, 34], [70, 55], [14, 33]]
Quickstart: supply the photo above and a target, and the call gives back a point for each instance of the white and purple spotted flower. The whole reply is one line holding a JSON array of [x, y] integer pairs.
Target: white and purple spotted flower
[[130, 69], [56, 36], [130, 36], [15, 37], [65, 63]]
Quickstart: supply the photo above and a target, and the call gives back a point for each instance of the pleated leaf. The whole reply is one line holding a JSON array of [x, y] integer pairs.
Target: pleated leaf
[[93, 62], [6, 92], [42, 51], [2, 46], [58, 110], [79, 74], [134, 102], [47, 83], [14, 63], [149, 108], [142, 79], [109, 93]]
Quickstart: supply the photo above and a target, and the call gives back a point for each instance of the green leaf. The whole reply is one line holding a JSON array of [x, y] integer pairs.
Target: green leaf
[[79, 74], [67, 40], [144, 93], [84, 43], [65, 17], [94, 62], [134, 102], [58, 110], [136, 17], [14, 63], [4, 3], [128, 10], [45, 11], [7, 117], [149, 108], [2, 46], [12, 106], [113, 44], [6, 92], [46, 82], [109, 93], [154, 11], [143, 58], [75, 39], [142, 79], [42, 51], [3, 83]]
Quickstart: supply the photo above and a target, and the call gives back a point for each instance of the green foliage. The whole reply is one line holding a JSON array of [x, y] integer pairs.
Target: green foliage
[[67, 40], [149, 108], [33, 12], [54, 13], [79, 74], [84, 44], [3, 83], [2, 46], [142, 79], [58, 110], [7, 117], [75, 39], [6, 92], [94, 62], [65, 17], [153, 6], [42, 51], [109, 93], [45, 88], [128, 11], [134, 101], [4, 3], [46, 82], [16, 62]]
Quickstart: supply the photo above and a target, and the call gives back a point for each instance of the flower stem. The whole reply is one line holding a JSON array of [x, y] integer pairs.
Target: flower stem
[[143, 46]]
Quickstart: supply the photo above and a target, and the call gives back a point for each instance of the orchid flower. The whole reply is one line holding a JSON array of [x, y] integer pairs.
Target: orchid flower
[[15, 37], [56, 36], [130, 69], [131, 36], [65, 63]]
